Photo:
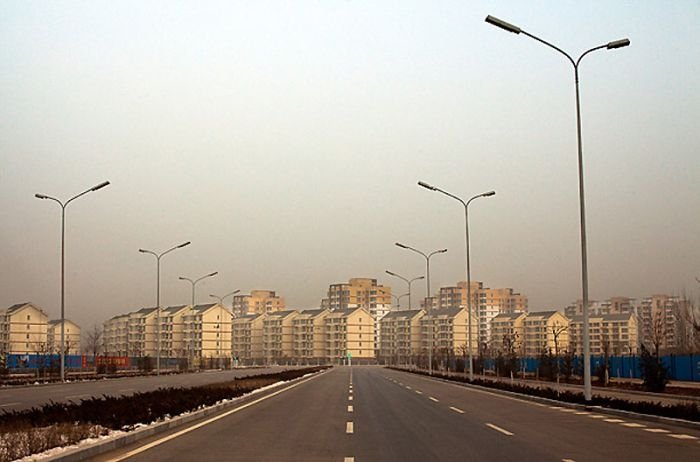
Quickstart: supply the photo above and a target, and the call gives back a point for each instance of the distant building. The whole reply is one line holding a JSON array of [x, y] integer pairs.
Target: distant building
[[310, 335], [508, 333], [349, 333], [278, 336], [207, 332], [616, 333], [23, 330], [401, 337], [258, 302], [446, 330], [545, 330], [71, 336], [247, 337]]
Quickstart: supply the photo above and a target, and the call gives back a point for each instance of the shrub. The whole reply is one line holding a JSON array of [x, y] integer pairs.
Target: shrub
[[653, 371]]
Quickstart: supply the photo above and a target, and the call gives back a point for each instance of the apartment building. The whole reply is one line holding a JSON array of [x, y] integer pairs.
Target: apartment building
[[115, 336], [507, 332], [349, 333], [207, 332], [258, 302], [446, 330], [310, 335], [486, 303], [401, 336], [71, 336], [278, 336], [545, 330], [616, 333], [172, 326], [23, 329], [614, 305], [659, 318], [358, 293], [142, 326], [247, 335]]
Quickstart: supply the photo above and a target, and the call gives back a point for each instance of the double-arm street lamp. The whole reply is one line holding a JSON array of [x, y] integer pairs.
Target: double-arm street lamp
[[158, 257], [582, 209], [195, 281], [428, 296], [468, 264], [396, 297], [63, 247], [221, 299], [408, 281]]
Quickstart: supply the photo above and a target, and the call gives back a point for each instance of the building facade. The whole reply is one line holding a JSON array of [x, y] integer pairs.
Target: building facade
[[401, 337], [258, 302], [23, 330], [71, 336]]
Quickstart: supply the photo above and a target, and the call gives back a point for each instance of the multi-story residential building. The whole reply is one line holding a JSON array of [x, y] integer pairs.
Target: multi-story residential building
[[115, 336], [545, 330], [258, 302], [172, 326], [349, 333], [614, 305], [446, 330], [361, 293], [71, 336], [401, 336], [659, 317], [486, 303], [278, 336], [23, 329], [207, 332], [310, 335], [615, 333], [247, 335], [507, 333], [142, 327]]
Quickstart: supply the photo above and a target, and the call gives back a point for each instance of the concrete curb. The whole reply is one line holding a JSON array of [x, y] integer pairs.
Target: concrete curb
[[551, 402], [120, 441]]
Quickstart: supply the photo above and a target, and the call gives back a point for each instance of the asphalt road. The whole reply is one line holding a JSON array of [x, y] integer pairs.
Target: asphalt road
[[25, 397], [373, 414]]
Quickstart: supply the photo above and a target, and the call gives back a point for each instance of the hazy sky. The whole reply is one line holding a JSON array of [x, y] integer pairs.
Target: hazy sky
[[285, 139]]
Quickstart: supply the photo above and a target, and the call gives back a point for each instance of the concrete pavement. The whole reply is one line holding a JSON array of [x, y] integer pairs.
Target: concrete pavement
[[373, 414]]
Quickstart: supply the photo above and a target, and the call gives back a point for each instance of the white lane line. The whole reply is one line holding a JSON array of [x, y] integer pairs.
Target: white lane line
[[582, 413], [564, 409], [419, 392], [350, 409], [614, 420], [408, 388], [656, 430], [349, 459], [434, 399], [208, 421], [349, 428], [568, 460], [596, 416], [556, 407], [459, 411], [10, 404], [633, 425], [683, 437], [349, 398], [499, 429]]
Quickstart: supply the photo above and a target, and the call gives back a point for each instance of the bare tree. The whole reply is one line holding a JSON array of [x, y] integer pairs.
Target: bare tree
[[556, 331], [658, 331], [93, 341]]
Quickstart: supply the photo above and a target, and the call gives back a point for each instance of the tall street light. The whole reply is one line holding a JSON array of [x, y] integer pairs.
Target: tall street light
[[582, 208], [158, 257], [408, 281], [194, 282], [221, 299], [468, 265], [396, 297], [428, 296], [63, 253]]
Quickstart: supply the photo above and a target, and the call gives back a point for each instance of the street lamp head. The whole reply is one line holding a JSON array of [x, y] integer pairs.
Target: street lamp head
[[143, 250], [398, 244], [235, 292], [423, 277], [489, 194], [502, 24], [427, 186], [212, 274], [442, 251], [618, 44], [99, 186], [184, 244], [183, 278], [390, 273], [41, 196]]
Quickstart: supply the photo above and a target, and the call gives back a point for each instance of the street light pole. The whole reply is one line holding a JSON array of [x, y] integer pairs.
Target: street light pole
[[63, 264], [397, 298], [158, 257], [582, 206], [428, 296], [194, 282], [408, 281], [221, 299], [468, 263]]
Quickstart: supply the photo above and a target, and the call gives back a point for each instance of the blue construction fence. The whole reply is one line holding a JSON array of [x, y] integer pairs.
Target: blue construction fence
[[19, 362], [681, 367]]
